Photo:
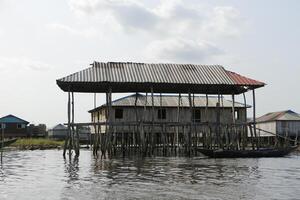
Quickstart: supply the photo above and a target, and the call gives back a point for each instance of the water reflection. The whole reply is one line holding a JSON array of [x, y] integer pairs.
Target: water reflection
[[46, 173], [71, 168]]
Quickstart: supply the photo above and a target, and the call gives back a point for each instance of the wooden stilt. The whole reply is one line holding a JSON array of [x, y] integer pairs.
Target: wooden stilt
[[208, 142], [76, 141], [235, 138], [110, 121], [219, 142], [190, 127], [66, 145], [178, 121], [254, 119], [245, 133], [138, 132], [152, 120]]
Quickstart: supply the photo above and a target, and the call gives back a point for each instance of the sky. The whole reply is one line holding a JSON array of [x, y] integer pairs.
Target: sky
[[43, 40]]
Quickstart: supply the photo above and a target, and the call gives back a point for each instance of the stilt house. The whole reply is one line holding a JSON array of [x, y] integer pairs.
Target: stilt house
[[184, 80], [283, 123]]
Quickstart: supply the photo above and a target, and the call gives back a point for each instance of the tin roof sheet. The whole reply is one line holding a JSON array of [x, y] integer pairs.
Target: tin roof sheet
[[168, 78], [286, 115], [12, 119]]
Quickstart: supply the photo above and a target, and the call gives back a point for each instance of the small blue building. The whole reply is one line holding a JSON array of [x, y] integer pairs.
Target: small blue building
[[13, 127]]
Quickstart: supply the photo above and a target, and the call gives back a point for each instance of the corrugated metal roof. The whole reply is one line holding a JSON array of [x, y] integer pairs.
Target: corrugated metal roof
[[242, 80], [12, 119], [170, 101], [151, 73], [286, 115], [138, 77], [59, 127]]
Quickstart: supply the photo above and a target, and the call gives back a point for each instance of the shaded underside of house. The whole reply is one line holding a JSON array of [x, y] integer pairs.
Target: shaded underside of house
[[161, 78], [169, 101]]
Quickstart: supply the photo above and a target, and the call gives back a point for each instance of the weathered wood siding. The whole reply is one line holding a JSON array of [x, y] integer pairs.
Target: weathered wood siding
[[129, 115], [267, 126], [289, 127]]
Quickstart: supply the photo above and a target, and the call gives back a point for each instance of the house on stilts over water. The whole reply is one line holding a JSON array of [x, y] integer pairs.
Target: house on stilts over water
[[152, 121]]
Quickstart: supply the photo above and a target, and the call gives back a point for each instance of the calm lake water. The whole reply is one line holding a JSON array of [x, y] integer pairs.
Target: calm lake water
[[46, 175]]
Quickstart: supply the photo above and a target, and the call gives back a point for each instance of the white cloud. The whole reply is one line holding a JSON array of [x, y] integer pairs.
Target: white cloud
[[179, 30], [89, 32], [181, 50], [223, 22], [22, 63]]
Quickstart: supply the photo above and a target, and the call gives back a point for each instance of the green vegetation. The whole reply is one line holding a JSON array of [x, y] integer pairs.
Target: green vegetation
[[37, 143]]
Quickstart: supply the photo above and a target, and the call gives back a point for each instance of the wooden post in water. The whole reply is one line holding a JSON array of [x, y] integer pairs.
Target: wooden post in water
[[245, 132], [162, 134], [190, 127], [68, 143], [218, 131], [136, 126], [110, 121], [77, 143], [208, 133], [235, 138], [143, 120], [177, 127], [254, 119], [194, 127], [95, 127], [152, 120]]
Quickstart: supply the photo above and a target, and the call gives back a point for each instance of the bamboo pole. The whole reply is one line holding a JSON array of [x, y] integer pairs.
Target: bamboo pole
[[67, 144], [143, 120], [178, 121], [194, 126], [235, 138], [254, 119], [218, 123], [245, 133], [162, 126], [190, 127], [208, 137], [152, 119], [77, 144], [110, 118]]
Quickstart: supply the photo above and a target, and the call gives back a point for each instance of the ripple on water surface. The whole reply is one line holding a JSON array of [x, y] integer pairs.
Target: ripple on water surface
[[46, 175]]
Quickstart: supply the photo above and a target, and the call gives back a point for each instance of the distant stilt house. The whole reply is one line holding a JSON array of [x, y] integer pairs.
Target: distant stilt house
[[284, 123], [138, 107], [14, 127], [154, 120], [59, 132]]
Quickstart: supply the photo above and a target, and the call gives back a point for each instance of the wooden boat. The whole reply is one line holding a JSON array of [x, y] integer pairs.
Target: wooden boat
[[263, 152], [7, 142]]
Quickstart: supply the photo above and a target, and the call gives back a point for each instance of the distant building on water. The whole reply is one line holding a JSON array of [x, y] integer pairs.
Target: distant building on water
[[60, 131], [14, 127], [283, 123]]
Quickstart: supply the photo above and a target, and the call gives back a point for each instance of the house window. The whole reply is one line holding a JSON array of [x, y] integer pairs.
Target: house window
[[19, 126], [161, 114], [119, 114], [197, 115], [2, 126]]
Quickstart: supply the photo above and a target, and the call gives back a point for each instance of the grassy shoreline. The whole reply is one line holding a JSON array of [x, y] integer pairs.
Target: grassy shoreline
[[37, 143]]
